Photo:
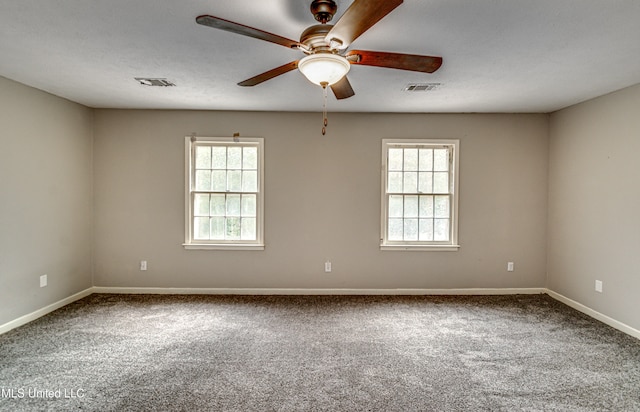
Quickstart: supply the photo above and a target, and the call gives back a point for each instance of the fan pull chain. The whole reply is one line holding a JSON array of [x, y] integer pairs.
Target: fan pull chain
[[325, 121]]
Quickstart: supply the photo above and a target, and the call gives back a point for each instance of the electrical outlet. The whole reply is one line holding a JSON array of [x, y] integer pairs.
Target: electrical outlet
[[327, 266], [509, 266], [143, 265], [599, 286], [43, 280]]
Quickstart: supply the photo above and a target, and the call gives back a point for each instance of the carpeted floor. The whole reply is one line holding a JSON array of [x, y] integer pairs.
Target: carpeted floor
[[318, 353]]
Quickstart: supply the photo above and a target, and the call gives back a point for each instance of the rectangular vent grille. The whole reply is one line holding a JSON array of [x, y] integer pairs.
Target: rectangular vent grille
[[145, 81], [421, 87]]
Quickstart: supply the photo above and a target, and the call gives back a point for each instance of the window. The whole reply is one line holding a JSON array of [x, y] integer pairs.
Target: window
[[224, 193], [419, 194]]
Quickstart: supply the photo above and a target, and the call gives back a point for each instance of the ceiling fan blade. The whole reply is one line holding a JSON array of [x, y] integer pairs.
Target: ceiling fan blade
[[359, 17], [263, 77], [342, 89], [413, 62], [226, 25]]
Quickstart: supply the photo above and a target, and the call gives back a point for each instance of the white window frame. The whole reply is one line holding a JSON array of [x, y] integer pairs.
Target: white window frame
[[452, 243], [190, 243]]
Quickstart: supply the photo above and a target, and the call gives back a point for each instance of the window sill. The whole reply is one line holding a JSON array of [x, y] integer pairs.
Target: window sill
[[421, 248], [211, 246]]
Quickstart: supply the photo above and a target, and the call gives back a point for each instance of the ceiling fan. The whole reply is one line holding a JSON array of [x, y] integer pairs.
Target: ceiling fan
[[327, 60]]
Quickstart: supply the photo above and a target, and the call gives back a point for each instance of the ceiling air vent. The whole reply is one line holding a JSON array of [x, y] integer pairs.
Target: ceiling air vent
[[421, 87], [145, 81]]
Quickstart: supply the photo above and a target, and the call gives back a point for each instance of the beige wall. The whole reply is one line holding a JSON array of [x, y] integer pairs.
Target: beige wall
[[594, 204], [322, 202], [45, 198]]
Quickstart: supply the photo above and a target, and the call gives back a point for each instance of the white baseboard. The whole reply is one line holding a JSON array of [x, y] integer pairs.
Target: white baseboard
[[595, 314], [301, 291], [22, 320]]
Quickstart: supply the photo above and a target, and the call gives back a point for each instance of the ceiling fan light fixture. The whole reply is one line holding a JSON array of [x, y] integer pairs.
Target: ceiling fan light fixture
[[324, 68]]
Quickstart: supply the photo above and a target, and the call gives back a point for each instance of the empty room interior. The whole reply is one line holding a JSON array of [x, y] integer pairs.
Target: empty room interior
[[112, 112]]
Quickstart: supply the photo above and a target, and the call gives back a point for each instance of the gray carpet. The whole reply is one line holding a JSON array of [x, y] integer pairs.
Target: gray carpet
[[318, 353]]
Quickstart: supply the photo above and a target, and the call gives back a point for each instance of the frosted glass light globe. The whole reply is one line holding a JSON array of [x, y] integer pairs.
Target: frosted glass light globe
[[322, 68]]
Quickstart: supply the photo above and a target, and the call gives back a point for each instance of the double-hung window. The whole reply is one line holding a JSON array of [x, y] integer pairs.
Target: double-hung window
[[419, 194], [224, 199]]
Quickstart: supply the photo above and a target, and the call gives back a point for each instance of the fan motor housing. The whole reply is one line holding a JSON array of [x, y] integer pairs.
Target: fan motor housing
[[314, 37]]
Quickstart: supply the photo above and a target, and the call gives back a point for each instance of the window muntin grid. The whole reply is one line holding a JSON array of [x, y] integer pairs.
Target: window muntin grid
[[225, 192], [418, 194]]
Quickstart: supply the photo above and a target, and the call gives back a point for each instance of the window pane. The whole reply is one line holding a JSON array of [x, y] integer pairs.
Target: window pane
[[396, 206], [201, 205], [250, 158], [410, 182], [203, 157], [233, 205], [442, 206], [395, 182], [249, 181], [225, 199], [219, 180], [426, 206], [441, 159], [411, 206], [441, 182], [394, 161], [410, 159], [248, 229], [219, 157], [234, 158], [248, 207], [233, 228], [419, 192], [218, 205], [234, 180], [425, 160], [217, 228], [203, 180], [411, 229], [201, 228], [426, 229], [396, 227], [425, 182], [441, 229]]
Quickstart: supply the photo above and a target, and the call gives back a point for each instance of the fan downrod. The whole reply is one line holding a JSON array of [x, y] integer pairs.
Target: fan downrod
[[323, 10]]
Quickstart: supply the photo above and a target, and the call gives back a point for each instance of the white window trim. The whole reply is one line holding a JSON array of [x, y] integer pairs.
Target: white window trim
[[192, 244], [450, 246]]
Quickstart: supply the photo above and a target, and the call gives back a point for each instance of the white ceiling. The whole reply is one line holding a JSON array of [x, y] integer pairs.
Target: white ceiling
[[499, 55]]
